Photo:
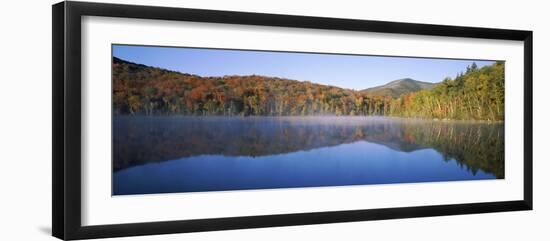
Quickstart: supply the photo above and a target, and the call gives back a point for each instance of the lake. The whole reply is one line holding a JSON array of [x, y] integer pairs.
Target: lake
[[167, 154]]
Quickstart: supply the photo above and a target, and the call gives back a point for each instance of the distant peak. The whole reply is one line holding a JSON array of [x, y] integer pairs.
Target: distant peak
[[398, 87], [404, 80], [407, 79]]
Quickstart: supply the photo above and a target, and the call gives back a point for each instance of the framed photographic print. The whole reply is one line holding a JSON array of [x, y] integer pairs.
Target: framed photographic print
[[170, 120]]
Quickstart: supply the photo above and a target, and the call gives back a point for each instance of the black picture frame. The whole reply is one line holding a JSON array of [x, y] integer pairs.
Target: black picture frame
[[66, 128]]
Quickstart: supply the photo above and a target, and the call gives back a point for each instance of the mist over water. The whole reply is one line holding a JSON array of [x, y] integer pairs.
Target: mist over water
[[166, 154]]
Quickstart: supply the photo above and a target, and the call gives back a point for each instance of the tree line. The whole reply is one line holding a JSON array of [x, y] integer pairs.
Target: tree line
[[477, 94], [142, 90]]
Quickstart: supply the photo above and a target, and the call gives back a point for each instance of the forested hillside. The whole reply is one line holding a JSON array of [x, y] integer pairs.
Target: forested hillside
[[138, 89], [476, 94], [399, 87], [144, 90]]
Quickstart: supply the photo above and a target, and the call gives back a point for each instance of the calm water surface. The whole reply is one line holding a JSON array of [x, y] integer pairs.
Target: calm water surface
[[194, 154]]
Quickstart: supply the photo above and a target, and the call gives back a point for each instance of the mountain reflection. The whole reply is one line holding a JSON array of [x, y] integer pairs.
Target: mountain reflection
[[140, 140]]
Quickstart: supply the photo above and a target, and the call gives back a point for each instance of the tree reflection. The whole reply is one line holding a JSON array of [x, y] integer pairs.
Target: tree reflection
[[139, 140]]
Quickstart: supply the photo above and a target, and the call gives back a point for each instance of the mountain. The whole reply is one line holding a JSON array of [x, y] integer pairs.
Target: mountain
[[143, 90], [398, 87]]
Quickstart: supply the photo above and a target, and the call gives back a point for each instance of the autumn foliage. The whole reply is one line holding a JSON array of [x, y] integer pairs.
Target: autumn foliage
[[144, 90]]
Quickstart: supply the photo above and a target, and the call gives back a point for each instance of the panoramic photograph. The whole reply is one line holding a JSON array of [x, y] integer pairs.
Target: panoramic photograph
[[202, 119]]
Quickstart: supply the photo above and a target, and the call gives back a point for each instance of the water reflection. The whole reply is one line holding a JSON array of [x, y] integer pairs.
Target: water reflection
[[140, 140], [357, 163]]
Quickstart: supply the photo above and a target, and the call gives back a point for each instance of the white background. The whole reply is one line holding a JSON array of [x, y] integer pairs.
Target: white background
[[25, 131], [101, 208]]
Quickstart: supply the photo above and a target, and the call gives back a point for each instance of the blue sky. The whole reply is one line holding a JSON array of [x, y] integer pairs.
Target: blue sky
[[347, 71]]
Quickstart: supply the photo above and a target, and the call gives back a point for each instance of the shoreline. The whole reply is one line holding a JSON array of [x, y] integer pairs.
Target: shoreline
[[317, 116]]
